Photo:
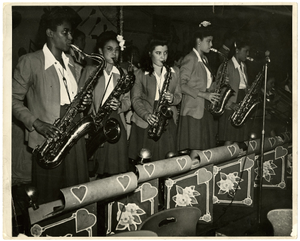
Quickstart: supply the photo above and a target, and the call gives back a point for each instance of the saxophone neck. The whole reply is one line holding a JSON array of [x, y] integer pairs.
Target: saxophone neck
[[93, 56], [117, 65]]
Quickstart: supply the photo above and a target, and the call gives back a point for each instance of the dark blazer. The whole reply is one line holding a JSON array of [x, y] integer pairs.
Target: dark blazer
[[234, 79], [99, 92], [193, 79], [143, 95], [42, 91]]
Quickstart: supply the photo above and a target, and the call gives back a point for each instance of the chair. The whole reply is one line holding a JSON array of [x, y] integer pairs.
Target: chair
[[181, 221], [138, 233], [281, 220]]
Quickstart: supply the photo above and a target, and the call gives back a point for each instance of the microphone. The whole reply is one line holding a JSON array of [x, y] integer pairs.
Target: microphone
[[267, 53], [250, 59]]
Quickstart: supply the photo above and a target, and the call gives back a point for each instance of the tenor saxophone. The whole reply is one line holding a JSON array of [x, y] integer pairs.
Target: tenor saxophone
[[52, 152], [223, 88], [250, 100], [162, 111], [108, 129]]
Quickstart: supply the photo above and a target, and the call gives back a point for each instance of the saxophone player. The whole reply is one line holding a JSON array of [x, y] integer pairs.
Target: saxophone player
[[238, 80], [197, 128], [110, 159], [46, 80], [145, 96]]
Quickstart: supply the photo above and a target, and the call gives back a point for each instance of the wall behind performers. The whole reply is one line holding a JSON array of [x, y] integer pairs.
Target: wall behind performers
[[137, 28], [27, 28], [267, 30]]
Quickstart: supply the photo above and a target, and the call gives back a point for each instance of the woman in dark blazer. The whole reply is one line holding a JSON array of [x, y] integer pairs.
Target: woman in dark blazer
[[197, 127], [112, 158], [238, 80], [144, 98]]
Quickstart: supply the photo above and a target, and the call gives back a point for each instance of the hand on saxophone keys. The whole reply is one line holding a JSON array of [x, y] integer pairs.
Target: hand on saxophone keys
[[45, 129], [169, 97], [152, 119], [114, 104], [87, 100], [212, 97]]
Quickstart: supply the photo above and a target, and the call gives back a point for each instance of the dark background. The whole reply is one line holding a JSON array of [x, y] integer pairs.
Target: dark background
[[269, 27]]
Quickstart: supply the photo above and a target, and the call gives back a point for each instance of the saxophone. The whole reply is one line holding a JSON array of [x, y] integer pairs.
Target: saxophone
[[162, 111], [108, 129], [223, 88], [250, 100], [51, 153]]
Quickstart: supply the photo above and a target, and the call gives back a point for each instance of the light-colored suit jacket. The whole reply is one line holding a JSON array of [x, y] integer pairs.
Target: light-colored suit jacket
[[99, 92], [143, 96], [193, 79], [42, 91]]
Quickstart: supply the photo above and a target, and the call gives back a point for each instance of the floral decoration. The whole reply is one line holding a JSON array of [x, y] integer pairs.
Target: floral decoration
[[204, 24], [229, 183], [121, 42], [186, 196], [128, 216], [268, 170]]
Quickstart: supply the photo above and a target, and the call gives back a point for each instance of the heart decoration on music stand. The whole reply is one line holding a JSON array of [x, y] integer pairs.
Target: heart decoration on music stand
[[182, 162], [124, 181], [79, 192]]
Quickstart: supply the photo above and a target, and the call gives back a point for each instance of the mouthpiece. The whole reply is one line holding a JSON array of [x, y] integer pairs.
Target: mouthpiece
[[250, 59], [216, 51], [76, 48]]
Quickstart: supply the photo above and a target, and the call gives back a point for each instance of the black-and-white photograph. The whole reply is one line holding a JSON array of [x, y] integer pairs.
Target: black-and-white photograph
[[150, 121]]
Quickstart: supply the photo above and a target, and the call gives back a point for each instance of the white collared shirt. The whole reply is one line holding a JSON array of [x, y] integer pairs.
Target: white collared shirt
[[109, 83], [159, 81], [208, 73], [243, 78], [62, 73]]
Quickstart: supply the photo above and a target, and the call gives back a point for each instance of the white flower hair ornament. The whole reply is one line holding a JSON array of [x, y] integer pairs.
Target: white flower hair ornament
[[121, 42], [204, 24]]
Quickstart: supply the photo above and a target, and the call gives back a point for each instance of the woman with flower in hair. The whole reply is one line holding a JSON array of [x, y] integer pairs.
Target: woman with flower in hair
[[110, 158], [197, 128], [238, 80], [145, 95]]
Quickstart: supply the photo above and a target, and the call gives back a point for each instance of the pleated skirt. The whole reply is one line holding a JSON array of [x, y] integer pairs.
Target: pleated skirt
[[113, 158], [197, 134], [228, 132], [139, 139]]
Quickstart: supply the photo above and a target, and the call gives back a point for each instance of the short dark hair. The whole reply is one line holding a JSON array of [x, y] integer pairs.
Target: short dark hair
[[104, 37], [201, 33], [241, 42], [146, 63], [54, 17]]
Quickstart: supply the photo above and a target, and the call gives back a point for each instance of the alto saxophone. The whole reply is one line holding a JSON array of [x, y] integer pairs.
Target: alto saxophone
[[162, 111], [223, 88], [52, 152], [108, 129], [250, 100]]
